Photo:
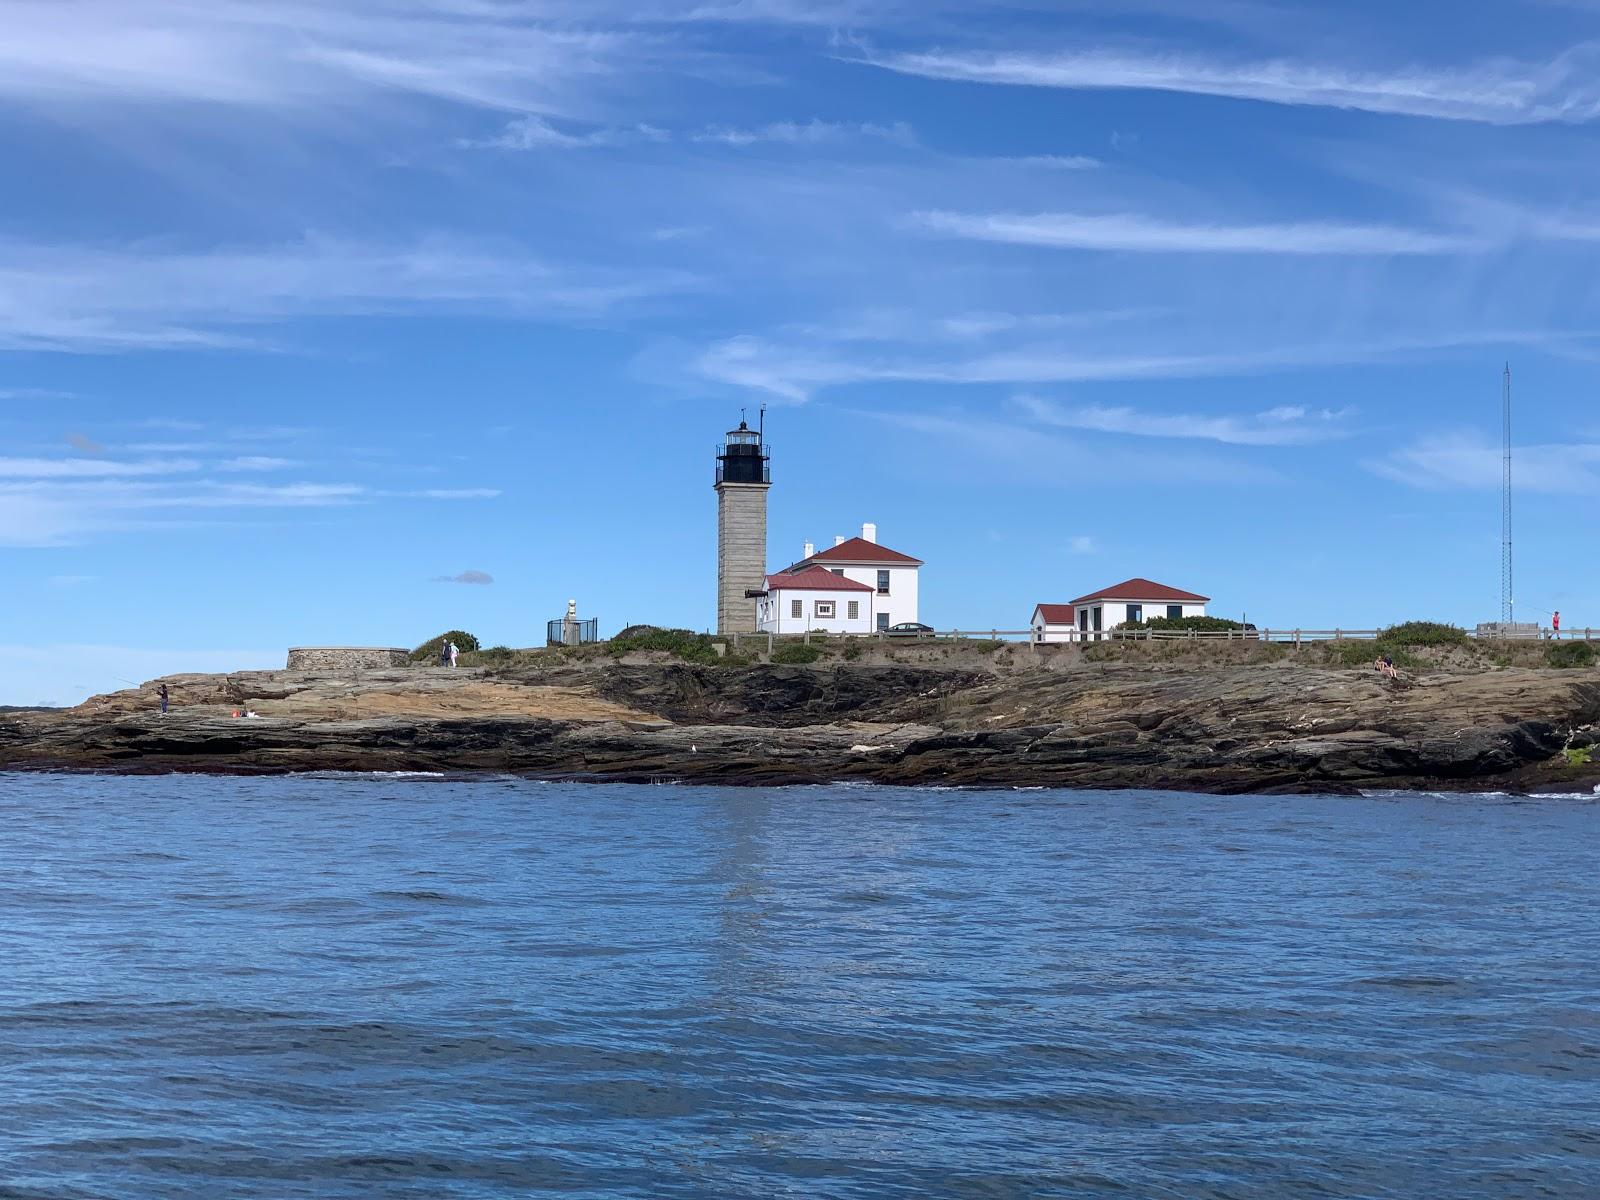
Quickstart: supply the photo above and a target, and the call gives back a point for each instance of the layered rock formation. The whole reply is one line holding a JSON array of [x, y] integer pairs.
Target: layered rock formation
[[1216, 727]]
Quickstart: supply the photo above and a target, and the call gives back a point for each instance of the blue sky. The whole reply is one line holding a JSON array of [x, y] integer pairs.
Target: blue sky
[[309, 308]]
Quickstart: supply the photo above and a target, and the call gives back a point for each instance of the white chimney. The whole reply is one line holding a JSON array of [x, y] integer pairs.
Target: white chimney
[[838, 540], [810, 550], [869, 533]]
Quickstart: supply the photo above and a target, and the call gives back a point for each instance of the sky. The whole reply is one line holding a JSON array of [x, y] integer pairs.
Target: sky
[[332, 322]]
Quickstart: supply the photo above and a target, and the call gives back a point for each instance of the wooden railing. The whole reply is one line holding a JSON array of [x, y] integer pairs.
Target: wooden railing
[[1295, 637]]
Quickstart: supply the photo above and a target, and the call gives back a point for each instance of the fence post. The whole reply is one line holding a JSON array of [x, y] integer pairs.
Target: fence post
[[1338, 636], [808, 637]]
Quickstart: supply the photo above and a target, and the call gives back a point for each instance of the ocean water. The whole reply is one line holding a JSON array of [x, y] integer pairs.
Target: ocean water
[[413, 987]]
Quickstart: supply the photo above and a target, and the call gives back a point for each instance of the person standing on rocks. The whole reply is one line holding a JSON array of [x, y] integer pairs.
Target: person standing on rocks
[[164, 696], [444, 652], [454, 651]]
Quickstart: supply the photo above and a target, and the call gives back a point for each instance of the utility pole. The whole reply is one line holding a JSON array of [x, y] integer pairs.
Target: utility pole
[[1508, 603]]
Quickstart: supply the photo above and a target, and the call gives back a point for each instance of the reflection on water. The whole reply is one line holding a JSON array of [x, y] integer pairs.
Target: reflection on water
[[378, 987]]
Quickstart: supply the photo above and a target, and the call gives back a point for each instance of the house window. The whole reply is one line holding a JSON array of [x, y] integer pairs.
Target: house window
[[1175, 611], [825, 608], [883, 583], [883, 621], [797, 609], [837, 570], [1083, 620], [1135, 613], [854, 610]]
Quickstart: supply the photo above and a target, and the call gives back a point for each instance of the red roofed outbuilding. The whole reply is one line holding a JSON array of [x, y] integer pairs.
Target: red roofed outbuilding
[[1125, 603]]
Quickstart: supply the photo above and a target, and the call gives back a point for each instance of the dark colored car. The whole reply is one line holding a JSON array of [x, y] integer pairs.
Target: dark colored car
[[909, 629]]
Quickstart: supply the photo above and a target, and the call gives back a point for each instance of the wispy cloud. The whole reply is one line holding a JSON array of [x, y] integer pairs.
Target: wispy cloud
[[1498, 92], [1082, 544], [1286, 425], [1466, 461], [256, 462], [808, 133], [537, 133], [81, 299], [1130, 232], [81, 468], [306, 56], [478, 578]]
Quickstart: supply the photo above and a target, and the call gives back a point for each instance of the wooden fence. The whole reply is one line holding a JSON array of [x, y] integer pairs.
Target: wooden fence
[[1294, 637]]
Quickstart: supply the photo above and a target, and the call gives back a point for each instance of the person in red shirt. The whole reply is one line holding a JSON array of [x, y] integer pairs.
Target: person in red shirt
[[1555, 622]]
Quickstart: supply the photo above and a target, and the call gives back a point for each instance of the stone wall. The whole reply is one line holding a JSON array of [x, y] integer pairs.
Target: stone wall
[[741, 553], [345, 658]]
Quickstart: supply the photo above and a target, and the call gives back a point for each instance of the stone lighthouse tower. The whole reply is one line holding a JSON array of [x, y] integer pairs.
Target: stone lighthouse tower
[[743, 477]]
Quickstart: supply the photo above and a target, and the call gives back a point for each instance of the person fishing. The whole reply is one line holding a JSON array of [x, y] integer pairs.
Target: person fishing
[[164, 696]]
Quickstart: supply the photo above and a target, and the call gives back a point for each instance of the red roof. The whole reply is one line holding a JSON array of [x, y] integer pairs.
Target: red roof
[[1141, 589], [813, 579], [859, 550], [1057, 614]]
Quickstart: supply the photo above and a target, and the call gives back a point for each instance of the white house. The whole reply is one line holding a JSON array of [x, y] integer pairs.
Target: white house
[[803, 599], [1125, 603], [890, 575]]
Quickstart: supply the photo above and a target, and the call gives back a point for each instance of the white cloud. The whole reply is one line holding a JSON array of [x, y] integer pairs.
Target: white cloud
[[455, 494], [79, 299], [1130, 232], [1466, 461], [256, 462], [308, 56], [1082, 544], [80, 468], [808, 133], [1287, 425], [536, 133], [1498, 92]]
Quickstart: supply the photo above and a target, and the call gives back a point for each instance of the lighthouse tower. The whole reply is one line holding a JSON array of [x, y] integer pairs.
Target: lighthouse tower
[[743, 478]]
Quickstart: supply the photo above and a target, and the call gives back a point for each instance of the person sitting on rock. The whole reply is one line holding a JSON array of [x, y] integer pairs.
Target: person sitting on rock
[[1385, 667]]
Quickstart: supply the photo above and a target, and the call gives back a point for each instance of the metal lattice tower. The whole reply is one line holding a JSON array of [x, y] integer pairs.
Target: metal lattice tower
[[1508, 604]]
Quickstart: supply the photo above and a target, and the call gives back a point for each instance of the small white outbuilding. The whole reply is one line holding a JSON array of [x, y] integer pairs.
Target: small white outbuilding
[[806, 599], [1126, 603]]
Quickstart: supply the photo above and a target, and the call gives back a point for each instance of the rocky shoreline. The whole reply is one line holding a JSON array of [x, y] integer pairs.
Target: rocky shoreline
[[1280, 727]]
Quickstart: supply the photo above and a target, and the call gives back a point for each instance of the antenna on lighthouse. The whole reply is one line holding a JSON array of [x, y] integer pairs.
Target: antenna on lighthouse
[[1508, 603]]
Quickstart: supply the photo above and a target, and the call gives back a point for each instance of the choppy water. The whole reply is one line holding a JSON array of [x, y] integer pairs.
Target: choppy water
[[427, 988]]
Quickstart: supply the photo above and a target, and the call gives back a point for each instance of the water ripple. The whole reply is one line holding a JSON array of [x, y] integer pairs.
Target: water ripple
[[374, 987]]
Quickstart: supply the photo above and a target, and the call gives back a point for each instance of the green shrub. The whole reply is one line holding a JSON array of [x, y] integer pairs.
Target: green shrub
[[1581, 756], [985, 646], [1201, 624], [680, 643], [1570, 654], [852, 651], [428, 652], [796, 654], [1423, 633]]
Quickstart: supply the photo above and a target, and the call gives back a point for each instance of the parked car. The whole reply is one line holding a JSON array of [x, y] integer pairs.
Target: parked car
[[909, 629]]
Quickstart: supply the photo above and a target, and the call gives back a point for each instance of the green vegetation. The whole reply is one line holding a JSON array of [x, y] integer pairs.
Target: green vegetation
[[428, 653], [985, 645], [1423, 633], [1200, 624], [1580, 756], [1570, 654], [680, 643], [852, 651], [796, 654]]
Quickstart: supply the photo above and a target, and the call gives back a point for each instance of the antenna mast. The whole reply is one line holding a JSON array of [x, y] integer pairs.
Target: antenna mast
[[1508, 604]]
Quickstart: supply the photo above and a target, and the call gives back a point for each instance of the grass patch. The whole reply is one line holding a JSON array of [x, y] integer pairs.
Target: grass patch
[[1580, 756], [796, 654], [1566, 655]]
